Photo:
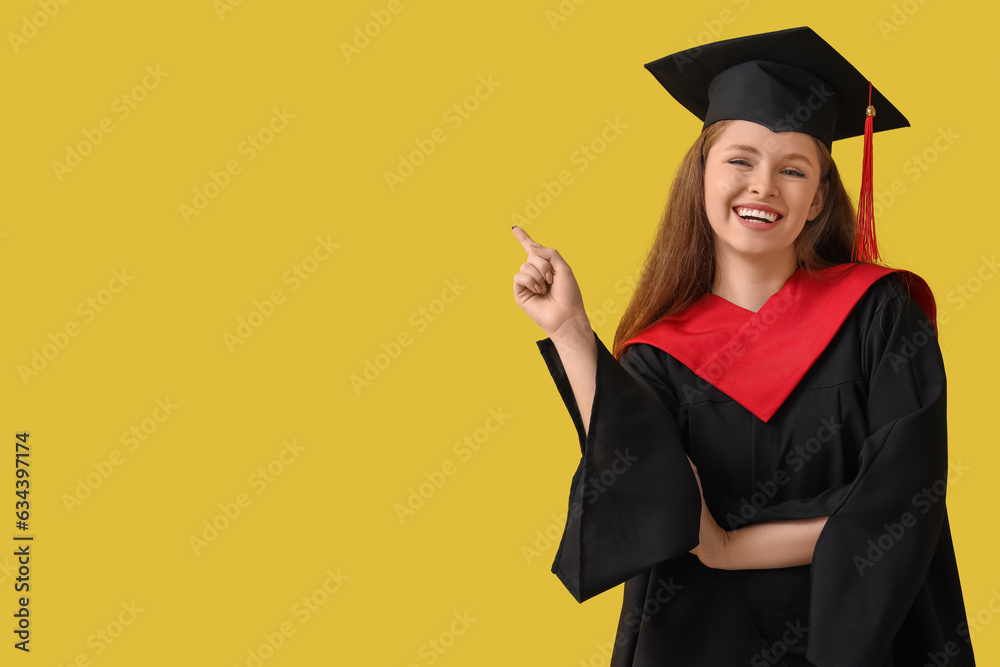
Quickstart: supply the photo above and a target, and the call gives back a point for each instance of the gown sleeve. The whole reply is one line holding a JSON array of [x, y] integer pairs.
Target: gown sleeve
[[633, 500], [872, 559]]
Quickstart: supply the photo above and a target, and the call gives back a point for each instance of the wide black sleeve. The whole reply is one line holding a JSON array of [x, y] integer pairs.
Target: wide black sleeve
[[633, 501], [873, 558]]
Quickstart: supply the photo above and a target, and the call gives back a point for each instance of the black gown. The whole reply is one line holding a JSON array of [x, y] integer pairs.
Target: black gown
[[860, 438]]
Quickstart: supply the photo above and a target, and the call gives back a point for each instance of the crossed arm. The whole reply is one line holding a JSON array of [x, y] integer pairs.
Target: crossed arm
[[759, 546]]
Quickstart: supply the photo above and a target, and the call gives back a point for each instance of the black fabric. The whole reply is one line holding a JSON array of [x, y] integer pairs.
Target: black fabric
[[768, 93], [862, 440], [621, 473]]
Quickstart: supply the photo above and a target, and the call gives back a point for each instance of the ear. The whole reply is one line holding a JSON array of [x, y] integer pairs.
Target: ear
[[817, 202]]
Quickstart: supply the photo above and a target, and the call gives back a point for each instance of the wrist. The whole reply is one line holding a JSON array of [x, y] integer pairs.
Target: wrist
[[724, 558], [574, 333]]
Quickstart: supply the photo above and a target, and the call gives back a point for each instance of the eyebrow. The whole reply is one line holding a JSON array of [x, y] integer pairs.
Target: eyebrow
[[750, 149]]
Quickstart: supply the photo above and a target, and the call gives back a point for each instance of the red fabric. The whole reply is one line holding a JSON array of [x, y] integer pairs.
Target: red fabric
[[757, 359]]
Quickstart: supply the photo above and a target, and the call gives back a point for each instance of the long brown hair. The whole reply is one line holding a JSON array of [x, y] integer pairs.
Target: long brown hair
[[680, 267]]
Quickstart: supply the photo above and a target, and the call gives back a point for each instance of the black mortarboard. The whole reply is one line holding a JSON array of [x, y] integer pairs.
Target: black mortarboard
[[788, 81]]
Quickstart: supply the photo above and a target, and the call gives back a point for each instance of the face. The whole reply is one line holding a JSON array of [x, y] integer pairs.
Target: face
[[760, 189]]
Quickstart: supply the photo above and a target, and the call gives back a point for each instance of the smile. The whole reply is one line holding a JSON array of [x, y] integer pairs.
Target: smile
[[756, 215]]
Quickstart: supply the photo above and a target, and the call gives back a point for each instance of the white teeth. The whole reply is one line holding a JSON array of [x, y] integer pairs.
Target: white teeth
[[755, 213]]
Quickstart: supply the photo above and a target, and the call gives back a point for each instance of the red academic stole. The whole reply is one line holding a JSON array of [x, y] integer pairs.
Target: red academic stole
[[757, 359]]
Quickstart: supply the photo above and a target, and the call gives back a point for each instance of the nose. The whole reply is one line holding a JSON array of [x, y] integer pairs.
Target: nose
[[762, 184]]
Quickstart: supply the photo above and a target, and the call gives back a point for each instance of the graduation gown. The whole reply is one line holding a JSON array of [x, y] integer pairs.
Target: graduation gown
[[828, 401]]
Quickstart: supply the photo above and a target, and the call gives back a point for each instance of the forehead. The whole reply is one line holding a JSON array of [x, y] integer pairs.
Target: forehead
[[748, 133]]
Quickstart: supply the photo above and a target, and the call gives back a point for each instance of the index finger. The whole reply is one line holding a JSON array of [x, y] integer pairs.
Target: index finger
[[526, 241]]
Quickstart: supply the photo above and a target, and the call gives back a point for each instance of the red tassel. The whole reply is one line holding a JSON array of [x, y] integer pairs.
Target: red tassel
[[865, 245]]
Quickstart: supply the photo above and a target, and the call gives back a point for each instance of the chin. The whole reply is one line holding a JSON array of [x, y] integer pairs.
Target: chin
[[762, 251]]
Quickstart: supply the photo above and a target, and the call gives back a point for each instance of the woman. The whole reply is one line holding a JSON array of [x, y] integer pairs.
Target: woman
[[764, 457]]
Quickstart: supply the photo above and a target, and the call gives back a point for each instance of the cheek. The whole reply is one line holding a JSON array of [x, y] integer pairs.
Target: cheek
[[709, 199], [716, 202], [719, 188], [810, 193]]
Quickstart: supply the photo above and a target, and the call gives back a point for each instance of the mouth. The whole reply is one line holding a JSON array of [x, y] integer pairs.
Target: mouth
[[756, 215]]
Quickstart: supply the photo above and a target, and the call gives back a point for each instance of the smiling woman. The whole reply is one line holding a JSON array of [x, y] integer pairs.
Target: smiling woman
[[760, 189], [767, 383]]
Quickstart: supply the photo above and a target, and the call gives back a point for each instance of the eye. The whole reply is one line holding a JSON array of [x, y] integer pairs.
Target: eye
[[793, 172], [739, 161]]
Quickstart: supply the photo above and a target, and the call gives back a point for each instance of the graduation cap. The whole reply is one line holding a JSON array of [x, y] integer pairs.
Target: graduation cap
[[788, 81]]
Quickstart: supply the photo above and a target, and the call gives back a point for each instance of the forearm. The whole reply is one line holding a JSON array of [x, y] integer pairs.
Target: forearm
[[772, 544], [578, 352]]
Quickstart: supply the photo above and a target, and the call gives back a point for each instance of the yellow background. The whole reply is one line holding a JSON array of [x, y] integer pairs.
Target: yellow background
[[333, 507]]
